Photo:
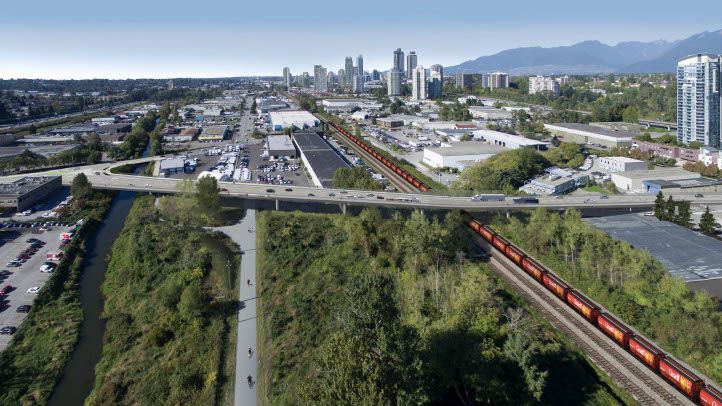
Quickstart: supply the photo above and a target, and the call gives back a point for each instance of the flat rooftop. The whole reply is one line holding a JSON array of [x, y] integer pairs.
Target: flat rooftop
[[24, 185], [468, 148], [280, 143], [323, 159], [620, 159], [215, 130], [659, 173], [592, 130], [686, 254]]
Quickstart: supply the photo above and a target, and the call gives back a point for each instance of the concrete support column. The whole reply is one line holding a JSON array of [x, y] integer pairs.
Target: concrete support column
[[343, 208], [508, 215], [277, 204]]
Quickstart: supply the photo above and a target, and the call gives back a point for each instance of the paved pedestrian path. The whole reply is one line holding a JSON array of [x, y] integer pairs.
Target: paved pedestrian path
[[244, 234]]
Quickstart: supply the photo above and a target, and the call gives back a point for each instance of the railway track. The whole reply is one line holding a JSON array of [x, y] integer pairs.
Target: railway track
[[399, 183], [643, 384]]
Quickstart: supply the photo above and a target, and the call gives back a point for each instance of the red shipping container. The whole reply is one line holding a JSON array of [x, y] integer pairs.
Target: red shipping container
[[534, 269], [645, 351], [500, 243], [615, 329], [514, 253], [710, 396], [556, 285], [583, 305], [687, 382]]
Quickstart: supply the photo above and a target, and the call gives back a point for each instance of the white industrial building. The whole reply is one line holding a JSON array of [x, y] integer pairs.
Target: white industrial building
[[347, 105], [587, 134], [633, 180], [454, 155], [489, 113], [621, 164], [296, 119], [508, 140], [280, 146]]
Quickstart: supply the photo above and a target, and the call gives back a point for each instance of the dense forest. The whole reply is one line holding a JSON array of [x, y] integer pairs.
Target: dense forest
[[170, 306], [629, 282], [362, 310]]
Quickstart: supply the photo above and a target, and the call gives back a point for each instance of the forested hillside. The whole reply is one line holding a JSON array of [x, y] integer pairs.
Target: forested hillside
[[361, 310]]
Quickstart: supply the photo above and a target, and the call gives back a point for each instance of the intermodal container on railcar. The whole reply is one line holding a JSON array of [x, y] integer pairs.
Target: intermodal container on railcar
[[614, 328], [689, 383], [640, 348], [500, 242]]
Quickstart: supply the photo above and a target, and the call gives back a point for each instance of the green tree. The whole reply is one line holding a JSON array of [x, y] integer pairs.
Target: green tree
[[190, 305], [630, 115], [670, 209], [659, 206], [80, 187], [208, 196], [684, 215], [253, 107], [706, 222]]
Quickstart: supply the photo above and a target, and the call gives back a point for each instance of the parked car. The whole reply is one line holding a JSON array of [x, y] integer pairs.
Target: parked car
[[34, 289], [6, 289], [8, 330], [23, 309]]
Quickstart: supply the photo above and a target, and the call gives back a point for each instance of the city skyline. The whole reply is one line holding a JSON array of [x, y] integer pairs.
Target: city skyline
[[144, 40]]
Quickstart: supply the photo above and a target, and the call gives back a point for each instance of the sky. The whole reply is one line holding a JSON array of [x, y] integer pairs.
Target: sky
[[82, 39]]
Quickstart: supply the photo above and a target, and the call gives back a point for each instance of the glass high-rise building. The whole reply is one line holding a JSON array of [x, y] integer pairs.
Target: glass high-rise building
[[287, 79], [698, 99], [348, 69], [360, 64], [394, 82], [399, 60], [320, 81], [419, 84], [436, 82], [411, 61]]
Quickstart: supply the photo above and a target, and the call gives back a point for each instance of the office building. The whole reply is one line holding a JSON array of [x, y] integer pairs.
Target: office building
[[411, 61], [331, 79], [375, 75], [436, 82], [304, 80], [541, 84], [357, 86], [341, 77], [287, 79], [348, 68], [419, 84], [360, 65], [498, 80], [394, 82], [463, 80], [319, 78], [698, 100], [399, 61], [23, 193]]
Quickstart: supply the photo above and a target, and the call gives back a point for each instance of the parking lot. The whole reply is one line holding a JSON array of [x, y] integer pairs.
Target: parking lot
[[27, 275]]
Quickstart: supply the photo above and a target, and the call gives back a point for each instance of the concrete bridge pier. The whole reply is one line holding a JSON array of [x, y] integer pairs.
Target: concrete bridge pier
[[343, 208], [278, 205]]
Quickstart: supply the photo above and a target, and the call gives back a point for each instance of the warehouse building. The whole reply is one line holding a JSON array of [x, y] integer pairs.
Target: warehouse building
[[186, 135], [25, 192], [318, 157], [280, 146], [587, 134], [634, 180], [557, 182], [694, 185], [622, 164], [489, 113], [508, 140], [215, 133], [171, 166], [348, 105], [294, 119], [82, 130], [455, 155]]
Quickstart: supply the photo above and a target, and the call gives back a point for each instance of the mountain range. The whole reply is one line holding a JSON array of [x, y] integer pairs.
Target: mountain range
[[594, 57]]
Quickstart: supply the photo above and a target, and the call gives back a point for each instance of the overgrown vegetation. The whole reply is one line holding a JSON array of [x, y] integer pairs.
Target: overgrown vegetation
[[169, 305], [137, 140], [355, 178], [34, 360], [627, 281], [504, 172], [364, 310]]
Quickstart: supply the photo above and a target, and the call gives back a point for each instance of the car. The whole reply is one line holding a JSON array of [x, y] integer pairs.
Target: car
[[270, 191], [380, 197], [147, 185], [604, 197], [47, 267], [5, 272], [699, 195], [23, 309], [310, 195], [8, 330], [44, 229], [344, 192], [6, 289], [332, 194], [288, 189], [34, 289], [649, 213], [222, 189]]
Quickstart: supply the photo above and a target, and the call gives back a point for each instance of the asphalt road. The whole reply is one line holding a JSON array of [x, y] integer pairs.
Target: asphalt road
[[26, 276]]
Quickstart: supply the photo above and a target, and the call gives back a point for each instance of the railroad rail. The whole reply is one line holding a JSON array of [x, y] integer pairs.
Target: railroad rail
[[388, 163], [642, 384], [644, 369]]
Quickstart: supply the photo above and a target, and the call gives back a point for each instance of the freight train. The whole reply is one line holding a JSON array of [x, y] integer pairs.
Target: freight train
[[654, 358], [412, 180]]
